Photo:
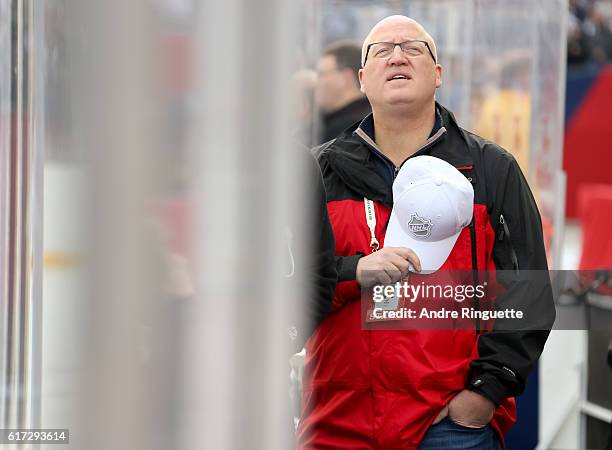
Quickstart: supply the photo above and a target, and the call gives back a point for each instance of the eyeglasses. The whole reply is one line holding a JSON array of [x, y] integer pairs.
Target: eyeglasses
[[384, 50]]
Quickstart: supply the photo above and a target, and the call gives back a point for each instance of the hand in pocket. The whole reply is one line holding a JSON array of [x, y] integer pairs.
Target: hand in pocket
[[470, 410]]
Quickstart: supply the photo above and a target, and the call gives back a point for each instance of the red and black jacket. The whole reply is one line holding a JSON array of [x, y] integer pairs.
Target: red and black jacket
[[344, 360]]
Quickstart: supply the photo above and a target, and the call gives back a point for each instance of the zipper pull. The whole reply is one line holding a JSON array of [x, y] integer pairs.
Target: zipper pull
[[500, 232], [504, 231]]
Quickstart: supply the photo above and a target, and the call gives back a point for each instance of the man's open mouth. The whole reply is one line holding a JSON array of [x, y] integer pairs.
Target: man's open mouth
[[398, 77]]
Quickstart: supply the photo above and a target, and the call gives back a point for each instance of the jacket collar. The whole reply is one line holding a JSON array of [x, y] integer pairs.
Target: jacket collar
[[445, 122], [351, 156], [366, 128]]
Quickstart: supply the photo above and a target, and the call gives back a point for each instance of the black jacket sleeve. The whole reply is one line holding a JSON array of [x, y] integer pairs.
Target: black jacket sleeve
[[508, 354], [346, 266], [323, 271]]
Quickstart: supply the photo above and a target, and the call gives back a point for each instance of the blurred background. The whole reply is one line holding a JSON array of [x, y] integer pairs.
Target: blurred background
[[148, 151]]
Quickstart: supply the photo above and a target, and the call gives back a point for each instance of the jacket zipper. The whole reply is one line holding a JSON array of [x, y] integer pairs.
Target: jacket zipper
[[475, 267], [505, 232], [441, 132]]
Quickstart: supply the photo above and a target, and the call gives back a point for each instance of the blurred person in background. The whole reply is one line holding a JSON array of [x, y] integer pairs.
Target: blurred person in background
[[505, 116], [579, 8], [598, 35], [578, 51], [589, 33], [426, 389], [338, 94]]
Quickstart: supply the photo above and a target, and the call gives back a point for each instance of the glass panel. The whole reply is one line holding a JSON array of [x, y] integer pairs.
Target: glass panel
[[5, 123], [163, 149], [508, 86]]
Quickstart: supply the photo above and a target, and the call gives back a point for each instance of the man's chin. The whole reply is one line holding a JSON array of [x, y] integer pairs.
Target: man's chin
[[398, 101]]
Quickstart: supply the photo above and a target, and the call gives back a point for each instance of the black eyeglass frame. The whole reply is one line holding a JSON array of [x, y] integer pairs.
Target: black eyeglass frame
[[400, 44]]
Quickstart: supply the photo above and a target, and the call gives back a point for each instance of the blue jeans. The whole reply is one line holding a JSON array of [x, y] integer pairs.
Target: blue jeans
[[447, 435]]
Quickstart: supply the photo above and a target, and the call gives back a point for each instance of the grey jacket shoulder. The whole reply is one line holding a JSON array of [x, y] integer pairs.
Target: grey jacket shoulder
[[320, 149]]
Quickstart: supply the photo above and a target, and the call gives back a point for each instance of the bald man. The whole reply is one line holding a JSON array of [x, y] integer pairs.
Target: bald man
[[443, 389]]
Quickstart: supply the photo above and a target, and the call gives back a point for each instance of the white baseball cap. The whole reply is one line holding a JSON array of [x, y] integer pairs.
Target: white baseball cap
[[432, 203]]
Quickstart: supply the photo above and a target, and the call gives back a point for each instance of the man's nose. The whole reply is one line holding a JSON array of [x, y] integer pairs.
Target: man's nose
[[397, 56]]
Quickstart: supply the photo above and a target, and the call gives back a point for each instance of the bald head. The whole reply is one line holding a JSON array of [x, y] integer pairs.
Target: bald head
[[400, 82], [387, 28]]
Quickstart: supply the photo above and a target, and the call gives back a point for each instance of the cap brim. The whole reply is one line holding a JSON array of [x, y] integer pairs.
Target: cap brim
[[432, 255]]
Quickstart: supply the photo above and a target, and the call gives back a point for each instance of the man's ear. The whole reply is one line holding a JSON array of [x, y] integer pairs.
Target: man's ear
[[438, 75], [360, 75]]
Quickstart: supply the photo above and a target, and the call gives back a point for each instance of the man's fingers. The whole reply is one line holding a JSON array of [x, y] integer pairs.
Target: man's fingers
[[382, 278], [470, 409], [415, 261], [400, 263], [393, 272], [386, 266], [408, 255]]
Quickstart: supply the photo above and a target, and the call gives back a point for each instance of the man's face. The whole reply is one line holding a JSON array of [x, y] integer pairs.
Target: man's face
[[419, 76], [332, 81]]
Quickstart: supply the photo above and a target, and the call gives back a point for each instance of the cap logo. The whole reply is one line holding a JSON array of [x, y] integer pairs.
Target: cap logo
[[418, 226]]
